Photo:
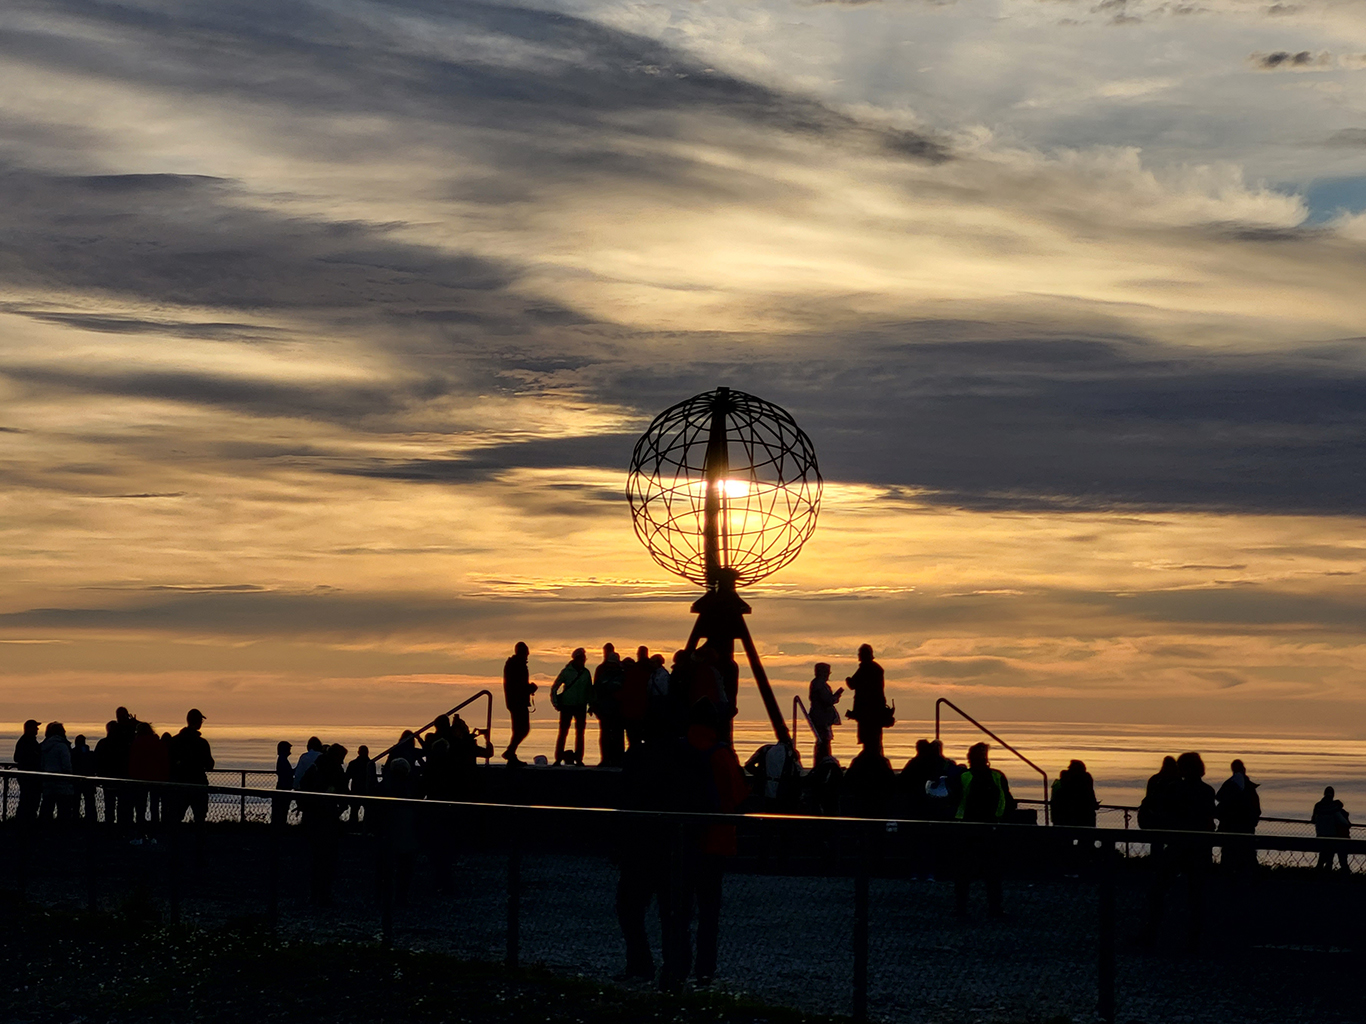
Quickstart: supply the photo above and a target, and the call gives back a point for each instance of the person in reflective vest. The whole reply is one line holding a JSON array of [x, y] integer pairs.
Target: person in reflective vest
[[984, 797]]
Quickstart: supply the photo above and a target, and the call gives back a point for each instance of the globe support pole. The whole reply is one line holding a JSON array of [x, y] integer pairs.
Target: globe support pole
[[721, 611]]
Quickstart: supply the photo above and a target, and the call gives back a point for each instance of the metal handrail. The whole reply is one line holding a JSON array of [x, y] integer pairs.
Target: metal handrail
[[1043, 774], [1266, 842], [486, 732], [800, 705]]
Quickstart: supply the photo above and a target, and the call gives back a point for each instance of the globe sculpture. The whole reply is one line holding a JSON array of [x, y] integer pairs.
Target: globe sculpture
[[724, 491]]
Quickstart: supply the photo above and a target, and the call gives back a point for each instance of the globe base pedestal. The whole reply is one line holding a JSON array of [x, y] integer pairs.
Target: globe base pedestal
[[721, 620]]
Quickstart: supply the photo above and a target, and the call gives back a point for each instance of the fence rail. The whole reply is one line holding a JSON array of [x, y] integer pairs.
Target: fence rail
[[862, 905]]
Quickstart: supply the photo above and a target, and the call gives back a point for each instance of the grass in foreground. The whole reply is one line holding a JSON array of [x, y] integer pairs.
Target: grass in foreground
[[128, 966]]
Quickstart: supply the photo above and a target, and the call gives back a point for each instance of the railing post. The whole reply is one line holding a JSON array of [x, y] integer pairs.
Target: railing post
[[1105, 966], [92, 898], [514, 936], [4, 802], [384, 838], [273, 879], [861, 940], [242, 807], [173, 852]]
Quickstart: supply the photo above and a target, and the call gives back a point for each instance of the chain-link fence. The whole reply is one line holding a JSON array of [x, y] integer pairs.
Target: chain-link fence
[[833, 915]]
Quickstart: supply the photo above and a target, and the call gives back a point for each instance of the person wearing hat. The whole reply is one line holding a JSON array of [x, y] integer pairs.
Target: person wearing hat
[[191, 761], [28, 758]]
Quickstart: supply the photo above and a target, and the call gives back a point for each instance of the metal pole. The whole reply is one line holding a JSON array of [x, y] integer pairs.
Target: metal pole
[[861, 940], [4, 803], [514, 905], [242, 808], [1105, 967], [273, 890]]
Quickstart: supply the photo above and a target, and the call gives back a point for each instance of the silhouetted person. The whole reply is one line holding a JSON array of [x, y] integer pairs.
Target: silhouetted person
[[1074, 797], [324, 780], [406, 749], [148, 762], [1331, 822], [1238, 808], [823, 714], [922, 773], [608, 679], [985, 798], [111, 764], [191, 762], [644, 852], [823, 785], [313, 750], [869, 786], [659, 713], [28, 757], [517, 691], [635, 693], [361, 780], [83, 766], [710, 781], [59, 794], [569, 696], [125, 731], [777, 778], [284, 781], [1190, 808], [398, 826], [870, 709]]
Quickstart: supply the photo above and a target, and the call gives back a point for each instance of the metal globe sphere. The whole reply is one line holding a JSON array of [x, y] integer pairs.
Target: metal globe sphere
[[724, 487]]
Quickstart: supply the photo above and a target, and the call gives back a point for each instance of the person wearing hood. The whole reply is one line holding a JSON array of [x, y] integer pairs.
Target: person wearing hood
[[59, 795], [1238, 808]]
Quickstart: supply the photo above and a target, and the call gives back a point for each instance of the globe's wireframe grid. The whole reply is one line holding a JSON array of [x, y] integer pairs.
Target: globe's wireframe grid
[[770, 496]]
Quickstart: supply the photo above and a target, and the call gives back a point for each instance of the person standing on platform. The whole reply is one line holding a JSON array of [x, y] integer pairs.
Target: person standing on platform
[[191, 761], [361, 780], [148, 763], [870, 709], [83, 766], [517, 691], [824, 715], [313, 750], [284, 782], [569, 696], [1238, 808], [985, 798], [59, 794], [606, 706], [28, 757], [635, 694], [1331, 822]]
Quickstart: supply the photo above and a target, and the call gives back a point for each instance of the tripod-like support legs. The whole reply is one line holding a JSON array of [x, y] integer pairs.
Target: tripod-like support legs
[[721, 620]]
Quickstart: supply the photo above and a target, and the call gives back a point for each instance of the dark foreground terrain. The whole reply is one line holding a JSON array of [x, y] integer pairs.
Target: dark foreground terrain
[[127, 966]]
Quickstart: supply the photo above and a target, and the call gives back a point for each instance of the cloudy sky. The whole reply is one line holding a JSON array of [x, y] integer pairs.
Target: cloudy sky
[[326, 330]]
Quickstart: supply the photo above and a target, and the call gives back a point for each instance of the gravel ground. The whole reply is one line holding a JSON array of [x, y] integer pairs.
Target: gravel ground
[[1285, 948]]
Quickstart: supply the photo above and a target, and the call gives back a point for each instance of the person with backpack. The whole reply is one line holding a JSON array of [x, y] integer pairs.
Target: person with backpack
[[569, 696], [605, 705], [985, 798]]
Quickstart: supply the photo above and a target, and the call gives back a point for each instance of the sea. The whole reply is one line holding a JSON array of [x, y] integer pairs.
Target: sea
[[1291, 770]]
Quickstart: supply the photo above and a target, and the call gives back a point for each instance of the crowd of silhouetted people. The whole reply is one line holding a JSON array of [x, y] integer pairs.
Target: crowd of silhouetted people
[[669, 729], [131, 752]]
